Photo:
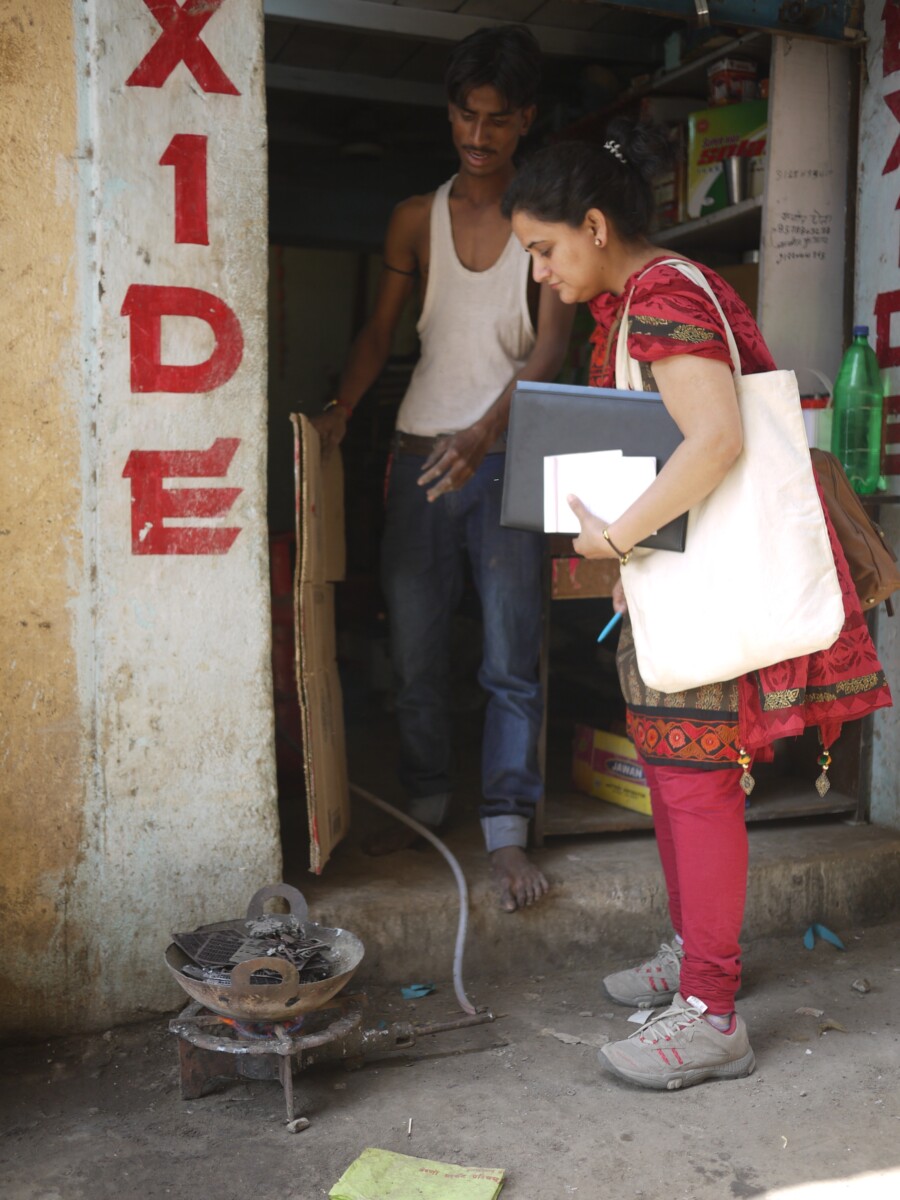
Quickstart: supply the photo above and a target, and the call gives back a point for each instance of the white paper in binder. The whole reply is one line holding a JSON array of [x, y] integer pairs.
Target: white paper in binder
[[607, 482]]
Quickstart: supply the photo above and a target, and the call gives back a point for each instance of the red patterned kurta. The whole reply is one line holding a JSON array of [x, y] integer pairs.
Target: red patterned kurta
[[706, 727]]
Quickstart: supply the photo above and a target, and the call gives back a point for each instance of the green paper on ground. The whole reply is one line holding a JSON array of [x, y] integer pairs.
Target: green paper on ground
[[383, 1175]]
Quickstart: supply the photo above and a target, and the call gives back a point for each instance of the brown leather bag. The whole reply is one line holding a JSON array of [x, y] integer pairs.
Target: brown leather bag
[[872, 562]]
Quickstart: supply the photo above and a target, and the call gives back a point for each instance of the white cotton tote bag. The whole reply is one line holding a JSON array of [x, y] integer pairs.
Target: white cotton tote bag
[[756, 583]]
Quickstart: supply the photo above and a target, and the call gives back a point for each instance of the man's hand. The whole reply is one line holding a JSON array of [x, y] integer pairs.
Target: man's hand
[[455, 459], [331, 427], [590, 543]]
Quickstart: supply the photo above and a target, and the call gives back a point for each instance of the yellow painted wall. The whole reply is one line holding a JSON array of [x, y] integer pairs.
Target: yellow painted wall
[[42, 760], [137, 783]]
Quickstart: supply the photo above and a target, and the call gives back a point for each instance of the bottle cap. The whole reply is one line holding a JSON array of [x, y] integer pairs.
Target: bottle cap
[[860, 331]]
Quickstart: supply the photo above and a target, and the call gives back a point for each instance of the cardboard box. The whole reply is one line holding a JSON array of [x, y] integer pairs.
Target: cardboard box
[[575, 578], [714, 135], [744, 278], [732, 81], [606, 766], [320, 562]]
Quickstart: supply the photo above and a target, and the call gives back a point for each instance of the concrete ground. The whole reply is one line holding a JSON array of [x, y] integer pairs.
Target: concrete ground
[[101, 1118]]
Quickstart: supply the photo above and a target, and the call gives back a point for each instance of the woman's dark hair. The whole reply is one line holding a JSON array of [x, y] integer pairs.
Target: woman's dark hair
[[506, 57], [561, 182]]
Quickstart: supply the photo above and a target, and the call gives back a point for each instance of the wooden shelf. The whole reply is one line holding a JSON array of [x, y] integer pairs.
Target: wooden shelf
[[690, 78], [876, 499], [568, 814], [735, 228]]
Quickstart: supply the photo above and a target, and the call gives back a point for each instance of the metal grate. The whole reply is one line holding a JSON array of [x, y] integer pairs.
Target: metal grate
[[210, 949]]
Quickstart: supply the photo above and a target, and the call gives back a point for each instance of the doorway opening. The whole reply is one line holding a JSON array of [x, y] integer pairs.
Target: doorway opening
[[357, 122]]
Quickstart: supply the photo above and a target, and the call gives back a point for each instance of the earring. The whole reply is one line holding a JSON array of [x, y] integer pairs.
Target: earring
[[596, 241]]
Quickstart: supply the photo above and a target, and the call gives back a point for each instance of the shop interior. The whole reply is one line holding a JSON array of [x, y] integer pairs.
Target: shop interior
[[357, 121]]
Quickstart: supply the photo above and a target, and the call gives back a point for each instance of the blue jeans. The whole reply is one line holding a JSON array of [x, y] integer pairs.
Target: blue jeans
[[422, 575]]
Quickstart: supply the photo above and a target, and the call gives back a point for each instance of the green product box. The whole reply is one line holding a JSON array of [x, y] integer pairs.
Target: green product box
[[715, 134]]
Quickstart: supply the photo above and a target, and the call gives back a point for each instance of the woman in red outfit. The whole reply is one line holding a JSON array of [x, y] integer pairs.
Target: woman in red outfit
[[583, 212]]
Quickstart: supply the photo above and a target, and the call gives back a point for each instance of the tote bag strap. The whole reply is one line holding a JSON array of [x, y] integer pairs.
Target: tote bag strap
[[627, 374]]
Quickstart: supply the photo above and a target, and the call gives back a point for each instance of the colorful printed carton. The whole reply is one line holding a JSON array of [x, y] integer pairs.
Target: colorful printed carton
[[715, 134], [607, 766]]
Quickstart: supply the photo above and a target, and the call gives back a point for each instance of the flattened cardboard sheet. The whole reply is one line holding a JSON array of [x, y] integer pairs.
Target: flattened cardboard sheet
[[320, 499], [320, 561]]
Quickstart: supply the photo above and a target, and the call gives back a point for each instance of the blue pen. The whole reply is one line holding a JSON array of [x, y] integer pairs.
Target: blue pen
[[607, 628]]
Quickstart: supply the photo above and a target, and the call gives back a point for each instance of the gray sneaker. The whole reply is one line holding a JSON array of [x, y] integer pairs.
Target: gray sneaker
[[650, 985], [678, 1048]]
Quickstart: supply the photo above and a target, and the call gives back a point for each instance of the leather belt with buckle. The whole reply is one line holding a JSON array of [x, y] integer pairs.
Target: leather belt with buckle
[[414, 443]]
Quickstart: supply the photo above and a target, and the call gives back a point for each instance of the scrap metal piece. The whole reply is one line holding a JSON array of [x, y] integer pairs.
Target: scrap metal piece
[[209, 948]]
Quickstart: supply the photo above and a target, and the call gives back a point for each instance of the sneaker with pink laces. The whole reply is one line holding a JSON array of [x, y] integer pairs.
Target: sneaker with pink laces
[[650, 985], [678, 1048]]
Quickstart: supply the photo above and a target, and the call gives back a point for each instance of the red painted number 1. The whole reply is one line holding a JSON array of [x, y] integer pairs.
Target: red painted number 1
[[187, 154]]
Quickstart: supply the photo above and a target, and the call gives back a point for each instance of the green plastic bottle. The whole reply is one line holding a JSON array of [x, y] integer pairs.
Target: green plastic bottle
[[858, 403]]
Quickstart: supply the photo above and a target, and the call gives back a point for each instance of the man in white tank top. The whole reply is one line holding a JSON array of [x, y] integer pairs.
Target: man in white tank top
[[446, 477]]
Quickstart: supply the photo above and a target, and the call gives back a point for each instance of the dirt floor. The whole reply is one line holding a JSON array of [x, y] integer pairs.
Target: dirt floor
[[101, 1117]]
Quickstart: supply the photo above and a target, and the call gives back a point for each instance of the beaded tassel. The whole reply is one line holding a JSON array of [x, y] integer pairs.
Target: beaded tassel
[[748, 783], [823, 783]]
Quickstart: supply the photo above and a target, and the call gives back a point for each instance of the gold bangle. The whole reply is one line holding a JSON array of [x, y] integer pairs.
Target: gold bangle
[[623, 558]]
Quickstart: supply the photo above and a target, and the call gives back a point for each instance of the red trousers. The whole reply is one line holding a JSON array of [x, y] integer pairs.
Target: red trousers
[[702, 839]]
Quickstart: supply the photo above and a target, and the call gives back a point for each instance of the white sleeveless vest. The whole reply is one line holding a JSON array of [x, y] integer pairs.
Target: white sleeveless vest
[[475, 329]]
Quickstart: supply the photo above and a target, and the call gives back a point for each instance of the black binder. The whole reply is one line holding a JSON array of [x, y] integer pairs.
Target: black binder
[[555, 418]]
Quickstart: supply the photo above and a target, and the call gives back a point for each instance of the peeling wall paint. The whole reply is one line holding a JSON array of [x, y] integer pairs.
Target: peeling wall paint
[[161, 813]]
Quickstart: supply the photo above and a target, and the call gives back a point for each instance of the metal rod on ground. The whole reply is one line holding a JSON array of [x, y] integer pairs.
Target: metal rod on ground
[[423, 831]]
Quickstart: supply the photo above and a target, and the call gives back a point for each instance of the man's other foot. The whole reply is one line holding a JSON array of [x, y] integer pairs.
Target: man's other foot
[[389, 841], [519, 882]]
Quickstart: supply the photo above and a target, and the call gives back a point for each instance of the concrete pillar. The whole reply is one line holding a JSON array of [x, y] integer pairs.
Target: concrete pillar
[[137, 740]]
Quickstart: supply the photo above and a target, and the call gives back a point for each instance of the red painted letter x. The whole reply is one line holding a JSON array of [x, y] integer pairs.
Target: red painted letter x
[[180, 42]]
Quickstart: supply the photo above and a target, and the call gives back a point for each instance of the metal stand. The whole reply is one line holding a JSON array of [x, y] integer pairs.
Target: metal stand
[[214, 1047]]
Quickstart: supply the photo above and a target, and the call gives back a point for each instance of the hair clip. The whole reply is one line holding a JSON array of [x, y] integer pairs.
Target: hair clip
[[615, 150]]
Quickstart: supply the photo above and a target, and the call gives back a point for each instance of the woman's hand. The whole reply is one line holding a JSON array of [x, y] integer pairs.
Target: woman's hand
[[590, 543], [700, 397]]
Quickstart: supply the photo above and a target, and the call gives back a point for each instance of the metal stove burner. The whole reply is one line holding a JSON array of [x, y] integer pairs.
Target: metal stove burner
[[214, 1047], [259, 1030], [241, 1029]]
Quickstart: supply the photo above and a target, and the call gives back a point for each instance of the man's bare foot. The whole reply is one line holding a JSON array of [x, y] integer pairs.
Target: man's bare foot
[[389, 841], [518, 880]]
